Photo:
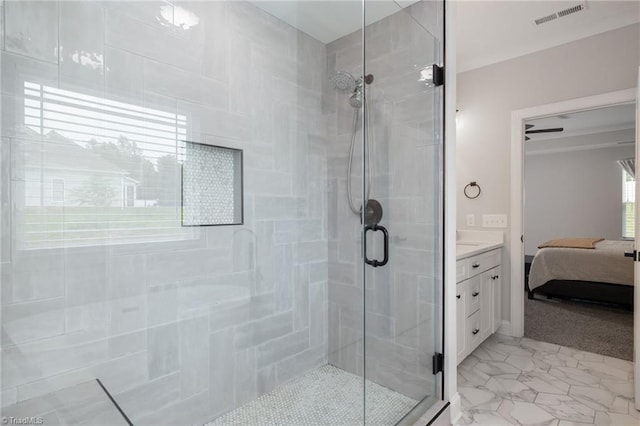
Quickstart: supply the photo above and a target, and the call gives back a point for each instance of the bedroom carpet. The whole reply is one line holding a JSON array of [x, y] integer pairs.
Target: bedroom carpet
[[589, 327]]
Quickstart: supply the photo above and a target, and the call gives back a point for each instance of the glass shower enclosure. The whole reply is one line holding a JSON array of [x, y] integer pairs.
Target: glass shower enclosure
[[221, 212]]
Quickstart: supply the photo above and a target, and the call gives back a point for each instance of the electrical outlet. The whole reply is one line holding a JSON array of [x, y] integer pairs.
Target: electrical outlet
[[471, 220], [494, 220]]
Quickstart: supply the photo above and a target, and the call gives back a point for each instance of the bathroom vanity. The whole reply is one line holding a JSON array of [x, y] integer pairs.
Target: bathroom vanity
[[478, 285]]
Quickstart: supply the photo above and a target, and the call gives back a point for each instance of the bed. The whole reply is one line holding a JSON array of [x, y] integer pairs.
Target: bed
[[601, 273]]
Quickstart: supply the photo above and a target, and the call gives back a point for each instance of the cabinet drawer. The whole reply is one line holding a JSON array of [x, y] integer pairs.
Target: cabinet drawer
[[484, 261], [462, 270], [473, 295], [473, 334]]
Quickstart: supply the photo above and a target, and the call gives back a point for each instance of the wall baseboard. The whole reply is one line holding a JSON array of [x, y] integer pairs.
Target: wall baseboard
[[455, 408], [505, 328]]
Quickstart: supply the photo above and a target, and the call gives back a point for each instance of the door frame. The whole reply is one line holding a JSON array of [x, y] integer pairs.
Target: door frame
[[518, 118], [636, 269]]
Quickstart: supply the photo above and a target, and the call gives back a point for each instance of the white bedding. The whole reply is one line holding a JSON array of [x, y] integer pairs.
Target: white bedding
[[606, 263]]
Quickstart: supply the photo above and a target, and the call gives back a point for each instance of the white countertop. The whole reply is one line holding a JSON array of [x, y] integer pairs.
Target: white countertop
[[470, 243]]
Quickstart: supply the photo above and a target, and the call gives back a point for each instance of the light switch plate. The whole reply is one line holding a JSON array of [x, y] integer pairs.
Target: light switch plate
[[494, 220], [471, 220]]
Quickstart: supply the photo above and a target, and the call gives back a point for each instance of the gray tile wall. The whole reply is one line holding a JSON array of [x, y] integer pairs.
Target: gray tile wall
[[399, 312], [195, 327]]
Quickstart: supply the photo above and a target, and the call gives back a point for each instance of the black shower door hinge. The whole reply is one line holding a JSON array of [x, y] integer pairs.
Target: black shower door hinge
[[438, 75], [438, 363]]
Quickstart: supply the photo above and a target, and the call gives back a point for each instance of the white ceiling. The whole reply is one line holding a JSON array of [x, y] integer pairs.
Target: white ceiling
[[494, 31], [329, 20], [600, 120], [595, 128]]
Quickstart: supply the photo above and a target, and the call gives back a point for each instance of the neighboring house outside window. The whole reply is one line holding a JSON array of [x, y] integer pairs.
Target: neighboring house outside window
[[628, 205], [129, 193], [95, 171]]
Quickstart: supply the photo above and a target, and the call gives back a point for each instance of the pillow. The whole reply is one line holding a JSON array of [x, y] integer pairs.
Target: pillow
[[582, 243]]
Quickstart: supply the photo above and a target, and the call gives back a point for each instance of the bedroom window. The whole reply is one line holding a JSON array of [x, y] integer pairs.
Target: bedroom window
[[628, 205]]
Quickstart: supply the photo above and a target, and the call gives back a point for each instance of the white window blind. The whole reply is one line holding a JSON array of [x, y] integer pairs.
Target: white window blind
[[119, 164]]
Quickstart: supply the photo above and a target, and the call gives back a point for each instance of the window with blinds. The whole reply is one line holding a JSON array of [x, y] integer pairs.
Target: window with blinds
[[96, 171], [628, 205]]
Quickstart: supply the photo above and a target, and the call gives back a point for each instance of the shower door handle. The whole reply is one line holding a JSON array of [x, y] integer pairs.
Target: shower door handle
[[375, 263]]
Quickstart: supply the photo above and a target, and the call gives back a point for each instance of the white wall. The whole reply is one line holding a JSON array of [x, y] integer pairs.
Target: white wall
[[487, 96], [573, 194]]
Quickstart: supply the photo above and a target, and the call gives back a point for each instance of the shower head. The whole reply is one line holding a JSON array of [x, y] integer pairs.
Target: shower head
[[343, 81], [355, 100]]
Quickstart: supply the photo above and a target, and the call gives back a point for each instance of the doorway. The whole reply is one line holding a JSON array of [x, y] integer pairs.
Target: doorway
[[518, 120], [579, 211]]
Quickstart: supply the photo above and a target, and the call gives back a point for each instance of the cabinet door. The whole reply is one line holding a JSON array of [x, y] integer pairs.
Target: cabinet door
[[473, 294], [461, 317], [473, 331], [496, 278], [486, 302]]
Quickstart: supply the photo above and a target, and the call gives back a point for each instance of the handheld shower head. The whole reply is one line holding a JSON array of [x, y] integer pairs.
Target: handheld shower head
[[355, 100], [343, 81]]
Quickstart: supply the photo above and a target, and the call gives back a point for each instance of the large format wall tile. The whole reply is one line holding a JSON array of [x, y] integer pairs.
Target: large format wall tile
[[32, 321], [221, 380], [163, 347], [82, 43], [146, 399], [123, 75], [31, 29], [171, 81], [194, 356], [152, 42], [45, 281], [18, 69]]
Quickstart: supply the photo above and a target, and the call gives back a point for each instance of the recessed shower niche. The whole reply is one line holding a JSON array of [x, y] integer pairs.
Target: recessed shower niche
[[211, 185]]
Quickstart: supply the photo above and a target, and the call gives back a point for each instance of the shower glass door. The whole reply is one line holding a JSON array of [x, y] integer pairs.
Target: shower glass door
[[402, 221]]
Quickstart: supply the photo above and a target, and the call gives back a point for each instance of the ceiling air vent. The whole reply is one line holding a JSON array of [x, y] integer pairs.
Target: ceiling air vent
[[571, 10], [561, 14], [545, 19]]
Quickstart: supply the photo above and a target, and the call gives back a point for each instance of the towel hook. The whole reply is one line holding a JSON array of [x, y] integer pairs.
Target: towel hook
[[469, 188]]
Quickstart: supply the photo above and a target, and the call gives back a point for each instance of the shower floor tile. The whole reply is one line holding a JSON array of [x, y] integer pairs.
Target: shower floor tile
[[324, 396]]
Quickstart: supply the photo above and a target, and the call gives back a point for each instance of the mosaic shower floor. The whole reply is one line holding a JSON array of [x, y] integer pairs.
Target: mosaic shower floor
[[324, 396]]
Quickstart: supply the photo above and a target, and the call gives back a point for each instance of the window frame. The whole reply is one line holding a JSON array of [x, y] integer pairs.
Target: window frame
[[54, 190]]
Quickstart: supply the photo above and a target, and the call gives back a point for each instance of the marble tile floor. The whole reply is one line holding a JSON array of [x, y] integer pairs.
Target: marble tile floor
[[83, 404], [519, 381], [324, 396]]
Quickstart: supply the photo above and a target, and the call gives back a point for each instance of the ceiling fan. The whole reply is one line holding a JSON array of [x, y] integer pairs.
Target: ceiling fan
[[528, 131]]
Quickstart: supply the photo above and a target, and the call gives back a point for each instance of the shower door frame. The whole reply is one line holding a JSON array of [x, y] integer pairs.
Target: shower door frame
[[439, 412]]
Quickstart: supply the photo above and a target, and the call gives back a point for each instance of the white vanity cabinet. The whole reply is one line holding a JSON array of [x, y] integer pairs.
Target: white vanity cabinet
[[477, 299]]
